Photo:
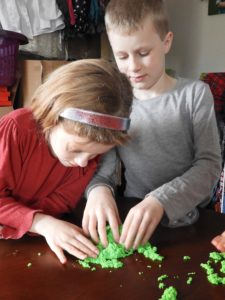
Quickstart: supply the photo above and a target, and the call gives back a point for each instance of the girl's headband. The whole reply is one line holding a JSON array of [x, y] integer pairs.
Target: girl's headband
[[96, 119]]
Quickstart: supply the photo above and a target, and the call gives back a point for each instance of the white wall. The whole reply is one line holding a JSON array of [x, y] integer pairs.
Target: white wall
[[199, 39]]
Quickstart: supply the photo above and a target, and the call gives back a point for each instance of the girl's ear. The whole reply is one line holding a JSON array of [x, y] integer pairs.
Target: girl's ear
[[168, 42]]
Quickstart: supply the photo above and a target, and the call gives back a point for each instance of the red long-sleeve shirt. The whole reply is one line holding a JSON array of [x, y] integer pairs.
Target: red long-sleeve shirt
[[31, 179]]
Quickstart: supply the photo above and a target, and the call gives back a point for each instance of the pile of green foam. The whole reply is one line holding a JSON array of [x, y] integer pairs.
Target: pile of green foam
[[110, 257], [212, 276], [169, 293]]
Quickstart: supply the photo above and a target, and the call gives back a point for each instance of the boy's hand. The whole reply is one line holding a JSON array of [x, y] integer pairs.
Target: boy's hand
[[141, 222], [61, 235], [219, 242], [101, 209]]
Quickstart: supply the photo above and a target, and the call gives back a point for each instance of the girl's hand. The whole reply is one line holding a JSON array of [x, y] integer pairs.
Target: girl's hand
[[101, 209], [219, 242], [141, 222], [61, 235]]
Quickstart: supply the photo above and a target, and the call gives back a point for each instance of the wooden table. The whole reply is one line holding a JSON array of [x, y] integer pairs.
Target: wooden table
[[47, 279]]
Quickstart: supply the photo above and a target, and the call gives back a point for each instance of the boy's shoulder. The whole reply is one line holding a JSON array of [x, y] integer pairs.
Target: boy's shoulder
[[190, 83], [192, 88]]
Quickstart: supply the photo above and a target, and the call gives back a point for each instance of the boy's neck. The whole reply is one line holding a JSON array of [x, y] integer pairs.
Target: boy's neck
[[165, 84]]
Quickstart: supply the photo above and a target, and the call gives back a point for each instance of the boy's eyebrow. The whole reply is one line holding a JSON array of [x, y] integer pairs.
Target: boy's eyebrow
[[134, 50]]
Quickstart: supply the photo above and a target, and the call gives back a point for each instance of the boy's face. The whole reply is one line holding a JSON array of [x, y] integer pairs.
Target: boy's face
[[73, 150], [140, 54]]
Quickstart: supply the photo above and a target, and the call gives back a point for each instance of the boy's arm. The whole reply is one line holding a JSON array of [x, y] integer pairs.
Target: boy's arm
[[101, 207], [107, 173], [182, 194]]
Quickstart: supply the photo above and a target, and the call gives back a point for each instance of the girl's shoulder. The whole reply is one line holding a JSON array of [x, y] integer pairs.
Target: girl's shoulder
[[21, 118]]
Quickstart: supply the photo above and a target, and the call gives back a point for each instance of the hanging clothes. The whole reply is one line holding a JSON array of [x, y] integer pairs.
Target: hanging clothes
[[83, 17], [31, 17]]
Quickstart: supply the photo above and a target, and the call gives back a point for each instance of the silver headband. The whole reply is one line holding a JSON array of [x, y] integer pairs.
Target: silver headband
[[96, 119]]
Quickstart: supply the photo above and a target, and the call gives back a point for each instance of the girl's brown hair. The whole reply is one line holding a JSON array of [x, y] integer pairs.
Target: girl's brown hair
[[90, 84], [128, 15]]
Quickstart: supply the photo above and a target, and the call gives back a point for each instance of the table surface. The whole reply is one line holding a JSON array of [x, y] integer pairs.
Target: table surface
[[48, 279]]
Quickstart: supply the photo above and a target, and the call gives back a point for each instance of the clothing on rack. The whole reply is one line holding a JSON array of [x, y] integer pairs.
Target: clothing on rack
[[31, 17]]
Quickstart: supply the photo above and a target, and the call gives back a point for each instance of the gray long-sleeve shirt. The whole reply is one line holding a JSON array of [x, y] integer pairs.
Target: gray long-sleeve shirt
[[174, 152]]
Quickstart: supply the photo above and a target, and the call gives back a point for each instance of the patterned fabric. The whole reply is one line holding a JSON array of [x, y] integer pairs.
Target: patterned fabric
[[83, 16], [216, 82]]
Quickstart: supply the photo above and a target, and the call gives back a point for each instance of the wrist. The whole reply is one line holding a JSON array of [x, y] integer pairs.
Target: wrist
[[40, 222], [100, 189]]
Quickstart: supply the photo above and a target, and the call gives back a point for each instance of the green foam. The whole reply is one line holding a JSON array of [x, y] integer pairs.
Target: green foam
[[169, 293], [186, 257], [213, 277], [110, 257]]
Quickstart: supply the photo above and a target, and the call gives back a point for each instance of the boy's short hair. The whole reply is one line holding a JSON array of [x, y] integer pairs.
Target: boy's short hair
[[89, 84], [128, 15]]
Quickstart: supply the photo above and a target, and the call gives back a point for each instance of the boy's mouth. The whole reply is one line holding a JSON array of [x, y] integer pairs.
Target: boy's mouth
[[137, 78]]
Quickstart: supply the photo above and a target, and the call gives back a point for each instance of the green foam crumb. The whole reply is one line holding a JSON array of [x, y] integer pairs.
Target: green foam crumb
[[222, 270], [162, 277], [169, 293], [110, 256], [216, 256], [189, 280], [186, 257], [161, 285], [150, 251], [192, 273], [212, 276]]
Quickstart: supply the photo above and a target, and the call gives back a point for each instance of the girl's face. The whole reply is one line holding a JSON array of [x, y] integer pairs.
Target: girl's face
[[73, 150]]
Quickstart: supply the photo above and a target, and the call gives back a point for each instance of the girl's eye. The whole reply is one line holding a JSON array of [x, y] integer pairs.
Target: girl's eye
[[74, 151]]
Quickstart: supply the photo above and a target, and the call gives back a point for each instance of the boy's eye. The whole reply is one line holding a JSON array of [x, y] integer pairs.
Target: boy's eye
[[144, 53], [121, 57]]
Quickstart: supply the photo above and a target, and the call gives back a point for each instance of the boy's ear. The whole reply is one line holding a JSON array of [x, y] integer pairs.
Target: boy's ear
[[168, 41]]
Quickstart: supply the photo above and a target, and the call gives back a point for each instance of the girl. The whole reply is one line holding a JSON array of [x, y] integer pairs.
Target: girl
[[50, 151]]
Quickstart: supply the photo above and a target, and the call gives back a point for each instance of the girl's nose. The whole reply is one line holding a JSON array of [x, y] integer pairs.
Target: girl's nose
[[81, 161]]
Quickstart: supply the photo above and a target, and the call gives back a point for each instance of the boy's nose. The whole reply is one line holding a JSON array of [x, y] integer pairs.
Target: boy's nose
[[134, 64]]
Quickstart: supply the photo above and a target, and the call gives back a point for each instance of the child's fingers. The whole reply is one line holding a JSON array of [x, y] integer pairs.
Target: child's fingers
[[144, 230], [59, 253], [114, 225], [148, 233], [131, 228], [219, 243], [92, 229], [85, 245], [78, 249], [102, 232], [216, 240], [85, 222]]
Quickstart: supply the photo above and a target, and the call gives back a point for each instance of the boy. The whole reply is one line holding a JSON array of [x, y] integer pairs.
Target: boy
[[173, 158]]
